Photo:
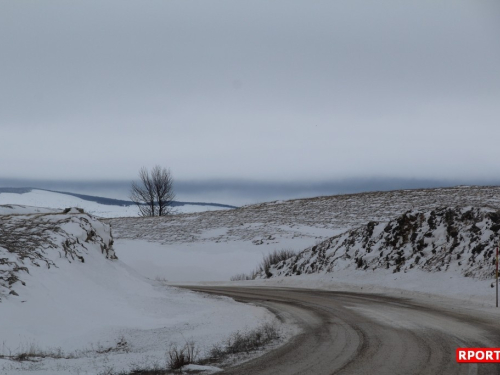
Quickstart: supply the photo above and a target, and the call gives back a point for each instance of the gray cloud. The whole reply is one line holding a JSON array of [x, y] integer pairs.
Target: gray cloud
[[281, 90]]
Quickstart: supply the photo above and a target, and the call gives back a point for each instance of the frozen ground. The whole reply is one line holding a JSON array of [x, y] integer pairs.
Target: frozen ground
[[72, 302]]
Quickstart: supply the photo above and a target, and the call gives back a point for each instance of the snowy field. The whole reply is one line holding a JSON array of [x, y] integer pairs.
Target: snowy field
[[209, 248], [213, 246], [201, 261], [87, 311], [107, 313], [42, 198]]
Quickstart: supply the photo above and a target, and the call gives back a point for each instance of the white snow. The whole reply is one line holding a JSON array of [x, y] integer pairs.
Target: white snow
[[204, 369], [114, 300], [197, 261], [438, 286], [47, 199], [186, 246], [100, 313], [7, 209]]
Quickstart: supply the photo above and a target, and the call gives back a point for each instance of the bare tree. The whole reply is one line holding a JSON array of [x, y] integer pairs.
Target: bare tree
[[154, 193]]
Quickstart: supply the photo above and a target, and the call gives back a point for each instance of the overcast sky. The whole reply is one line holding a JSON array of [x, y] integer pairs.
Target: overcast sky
[[261, 90]]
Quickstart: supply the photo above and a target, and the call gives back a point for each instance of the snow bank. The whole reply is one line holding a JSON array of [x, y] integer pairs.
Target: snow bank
[[459, 241], [47, 240], [86, 311], [438, 287]]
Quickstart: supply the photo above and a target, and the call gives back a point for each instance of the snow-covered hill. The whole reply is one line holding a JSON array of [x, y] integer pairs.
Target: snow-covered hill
[[98, 206], [34, 240], [210, 246], [314, 218], [460, 241], [69, 306]]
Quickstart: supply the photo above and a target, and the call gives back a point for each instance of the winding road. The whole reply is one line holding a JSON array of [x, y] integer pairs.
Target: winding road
[[352, 333]]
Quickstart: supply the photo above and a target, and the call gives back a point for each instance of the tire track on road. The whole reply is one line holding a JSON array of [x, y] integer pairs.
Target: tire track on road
[[350, 333]]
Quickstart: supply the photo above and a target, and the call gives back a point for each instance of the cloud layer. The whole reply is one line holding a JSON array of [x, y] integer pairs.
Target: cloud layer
[[281, 90]]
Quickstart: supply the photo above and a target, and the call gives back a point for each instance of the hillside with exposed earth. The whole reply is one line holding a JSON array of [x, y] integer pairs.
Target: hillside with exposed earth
[[455, 240]]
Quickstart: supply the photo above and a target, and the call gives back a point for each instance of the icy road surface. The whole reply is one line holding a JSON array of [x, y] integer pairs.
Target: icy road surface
[[351, 333]]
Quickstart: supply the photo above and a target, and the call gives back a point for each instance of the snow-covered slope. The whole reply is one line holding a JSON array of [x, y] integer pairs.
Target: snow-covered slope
[[97, 206], [68, 302], [460, 241], [210, 246], [47, 199], [314, 218], [8, 209], [34, 240]]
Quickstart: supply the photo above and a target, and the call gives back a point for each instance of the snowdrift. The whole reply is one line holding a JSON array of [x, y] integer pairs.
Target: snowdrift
[[72, 306], [47, 239], [448, 239]]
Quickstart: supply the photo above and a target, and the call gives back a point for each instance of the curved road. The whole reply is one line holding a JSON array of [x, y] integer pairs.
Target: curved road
[[351, 333]]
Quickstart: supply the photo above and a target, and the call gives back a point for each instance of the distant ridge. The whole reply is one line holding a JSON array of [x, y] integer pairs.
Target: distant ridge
[[107, 201]]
